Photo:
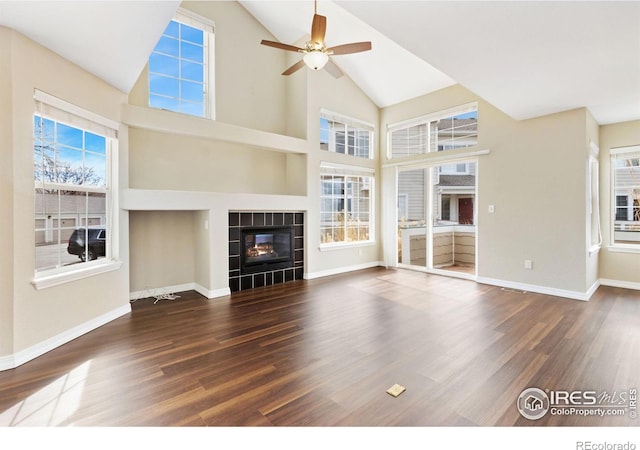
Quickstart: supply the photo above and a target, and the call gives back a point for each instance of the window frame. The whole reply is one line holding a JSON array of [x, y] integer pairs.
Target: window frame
[[358, 126], [60, 111], [594, 232], [621, 246], [425, 121], [365, 177], [193, 20]]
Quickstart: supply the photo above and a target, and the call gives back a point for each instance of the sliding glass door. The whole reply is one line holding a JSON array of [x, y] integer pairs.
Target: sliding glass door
[[436, 208]]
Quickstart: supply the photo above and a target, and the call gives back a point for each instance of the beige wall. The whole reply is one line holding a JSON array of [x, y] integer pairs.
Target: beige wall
[[535, 177], [6, 195], [39, 315], [165, 161], [615, 266], [163, 249]]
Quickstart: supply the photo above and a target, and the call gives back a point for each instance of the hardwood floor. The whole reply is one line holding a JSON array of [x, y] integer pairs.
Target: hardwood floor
[[323, 353]]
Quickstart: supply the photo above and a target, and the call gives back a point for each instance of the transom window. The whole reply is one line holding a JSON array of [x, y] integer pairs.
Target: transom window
[[435, 133], [345, 207], [339, 134], [625, 167], [72, 182], [179, 78]]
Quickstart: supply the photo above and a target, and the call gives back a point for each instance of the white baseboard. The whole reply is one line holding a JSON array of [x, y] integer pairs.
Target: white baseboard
[[23, 356], [619, 283], [339, 270], [215, 293], [180, 288], [575, 295], [592, 290]]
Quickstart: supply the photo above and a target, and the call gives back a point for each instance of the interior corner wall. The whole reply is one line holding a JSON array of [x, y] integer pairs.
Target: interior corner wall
[[296, 98], [6, 196], [163, 249], [535, 176], [341, 96], [40, 315], [202, 248], [618, 267]]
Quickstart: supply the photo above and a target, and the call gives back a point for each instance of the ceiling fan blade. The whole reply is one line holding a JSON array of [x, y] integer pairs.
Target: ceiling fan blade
[[280, 45], [345, 49], [333, 69], [318, 28], [297, 66]]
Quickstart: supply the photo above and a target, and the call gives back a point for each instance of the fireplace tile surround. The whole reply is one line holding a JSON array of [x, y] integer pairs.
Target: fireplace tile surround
[[238, 219]]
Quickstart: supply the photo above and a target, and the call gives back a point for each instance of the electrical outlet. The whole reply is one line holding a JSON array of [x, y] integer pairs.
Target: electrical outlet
[[492, 209], [528, 264]]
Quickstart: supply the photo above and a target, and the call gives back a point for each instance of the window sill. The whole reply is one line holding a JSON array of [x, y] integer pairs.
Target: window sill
[[624, 248], [345, 245], [56, 279]]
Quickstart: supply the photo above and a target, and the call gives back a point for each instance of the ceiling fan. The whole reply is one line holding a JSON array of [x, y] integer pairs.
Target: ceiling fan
[[316, 53]]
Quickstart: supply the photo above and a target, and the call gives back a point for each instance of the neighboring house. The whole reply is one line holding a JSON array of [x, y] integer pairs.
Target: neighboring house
[[627, 220], [454, 184]]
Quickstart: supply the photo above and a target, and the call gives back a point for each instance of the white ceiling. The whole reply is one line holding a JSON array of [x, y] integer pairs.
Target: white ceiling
[[110, 39], [526, 58]]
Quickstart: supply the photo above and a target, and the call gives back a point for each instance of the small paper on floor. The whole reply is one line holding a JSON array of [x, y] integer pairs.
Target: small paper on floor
[[395, 390]]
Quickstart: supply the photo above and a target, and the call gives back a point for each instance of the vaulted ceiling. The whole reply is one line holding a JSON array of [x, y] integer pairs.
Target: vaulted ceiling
[[526, 58]]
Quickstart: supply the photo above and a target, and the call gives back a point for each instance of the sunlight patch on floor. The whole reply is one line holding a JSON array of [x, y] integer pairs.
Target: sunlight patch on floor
[[51, 405]]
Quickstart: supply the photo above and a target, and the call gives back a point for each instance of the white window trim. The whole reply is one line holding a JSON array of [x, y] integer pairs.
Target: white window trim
[[460, 109], [327, 168], [437, 158], [342, 245], [613, 246], [194, 20], [593, 204], [92, 268], [61, 275]]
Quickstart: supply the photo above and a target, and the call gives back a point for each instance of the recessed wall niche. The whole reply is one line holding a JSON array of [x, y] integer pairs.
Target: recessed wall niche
[[264, 221]]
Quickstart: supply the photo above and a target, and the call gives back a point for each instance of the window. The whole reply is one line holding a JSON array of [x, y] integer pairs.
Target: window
[[179, 67], [593, 187], [438, 132], [455, 169], [345, 136], [625, 167], [345, 207], [72, 180]]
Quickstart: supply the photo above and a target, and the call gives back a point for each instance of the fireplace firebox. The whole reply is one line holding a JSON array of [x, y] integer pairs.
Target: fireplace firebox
[[265, 248]]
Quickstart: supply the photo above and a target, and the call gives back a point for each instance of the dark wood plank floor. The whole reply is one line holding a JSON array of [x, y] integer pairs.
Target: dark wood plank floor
[[323, 353]]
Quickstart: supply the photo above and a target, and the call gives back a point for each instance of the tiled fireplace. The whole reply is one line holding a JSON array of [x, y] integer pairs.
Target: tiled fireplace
[[261, 251]]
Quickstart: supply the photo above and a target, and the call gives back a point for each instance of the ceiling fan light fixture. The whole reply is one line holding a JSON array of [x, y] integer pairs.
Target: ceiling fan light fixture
[[316, 59]]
